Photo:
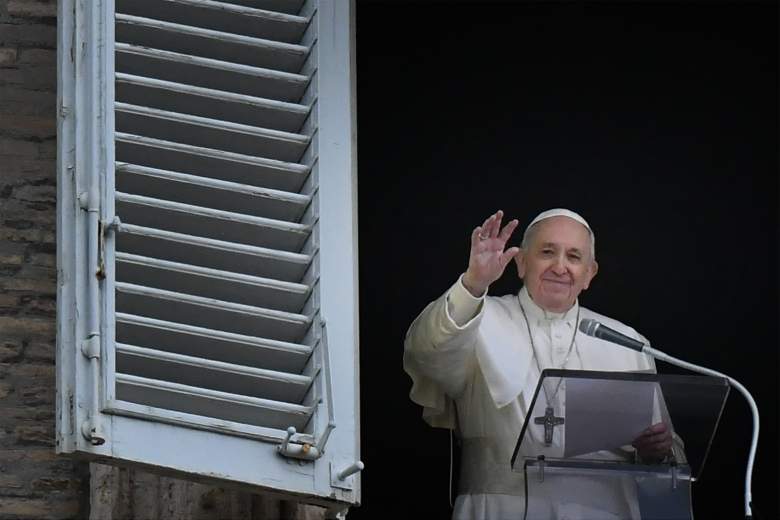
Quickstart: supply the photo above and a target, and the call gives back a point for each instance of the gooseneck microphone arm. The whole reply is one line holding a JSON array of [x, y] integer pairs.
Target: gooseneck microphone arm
[[601, 331]]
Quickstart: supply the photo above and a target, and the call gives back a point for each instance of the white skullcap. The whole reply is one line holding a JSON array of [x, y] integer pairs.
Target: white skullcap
[[562, 212], [559, 212]]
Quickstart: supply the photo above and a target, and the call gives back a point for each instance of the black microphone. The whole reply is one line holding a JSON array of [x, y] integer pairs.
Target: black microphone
[[601, 331]]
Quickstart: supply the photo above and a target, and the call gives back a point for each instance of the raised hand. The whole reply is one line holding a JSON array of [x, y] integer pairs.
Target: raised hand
[[488, 259]]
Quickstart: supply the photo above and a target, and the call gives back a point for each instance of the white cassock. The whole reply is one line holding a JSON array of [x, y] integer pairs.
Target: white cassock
[[471, 362]]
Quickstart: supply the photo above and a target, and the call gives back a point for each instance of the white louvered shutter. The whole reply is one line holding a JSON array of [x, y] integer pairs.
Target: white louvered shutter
[[207, 227]]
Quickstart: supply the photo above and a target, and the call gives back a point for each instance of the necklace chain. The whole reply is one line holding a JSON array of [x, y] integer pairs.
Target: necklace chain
[[536, 355]]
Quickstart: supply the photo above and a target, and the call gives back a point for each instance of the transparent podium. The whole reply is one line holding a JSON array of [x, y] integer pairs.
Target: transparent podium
[[575, 446]]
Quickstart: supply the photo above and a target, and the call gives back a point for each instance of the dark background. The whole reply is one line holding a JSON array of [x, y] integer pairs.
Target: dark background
[[656, 121]]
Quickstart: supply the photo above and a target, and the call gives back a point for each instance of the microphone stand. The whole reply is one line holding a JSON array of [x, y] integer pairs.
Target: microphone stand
[[657, 354]]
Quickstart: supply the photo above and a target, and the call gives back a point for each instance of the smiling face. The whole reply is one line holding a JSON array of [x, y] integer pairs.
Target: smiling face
[[557, 264]]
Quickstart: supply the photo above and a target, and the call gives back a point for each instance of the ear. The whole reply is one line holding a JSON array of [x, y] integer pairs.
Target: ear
[[592, 270], [520, 262]]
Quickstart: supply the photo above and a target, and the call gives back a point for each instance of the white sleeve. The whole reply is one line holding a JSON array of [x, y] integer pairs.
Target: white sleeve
[[439, 352], [462, 306]]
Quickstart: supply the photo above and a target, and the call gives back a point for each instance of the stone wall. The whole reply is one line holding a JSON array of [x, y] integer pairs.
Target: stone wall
[[34, 481]]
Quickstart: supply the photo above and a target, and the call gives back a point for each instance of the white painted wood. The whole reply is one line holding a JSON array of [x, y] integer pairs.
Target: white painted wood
[[281, 6], [211, 133], [210, 313], [211, 103], [211, 223], [199, 422], [207, 162], [217, 254], [210, 374], [213, 193], [209, 73], [197, 41], [69, 233], [203, 281], [211, 403], [338, 255], [215, 344], [222, 16]]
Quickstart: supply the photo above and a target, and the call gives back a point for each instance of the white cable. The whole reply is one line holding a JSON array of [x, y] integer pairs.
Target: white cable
[[753, 408]]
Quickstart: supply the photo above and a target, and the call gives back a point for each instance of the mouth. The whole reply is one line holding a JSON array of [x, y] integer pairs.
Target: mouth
[[557, 282]]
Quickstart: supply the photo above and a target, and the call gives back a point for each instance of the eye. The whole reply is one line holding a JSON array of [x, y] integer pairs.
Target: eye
[[547, 251], [574, 257]]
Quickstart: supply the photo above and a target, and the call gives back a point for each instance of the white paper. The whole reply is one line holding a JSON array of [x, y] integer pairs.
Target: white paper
[[605, 415]]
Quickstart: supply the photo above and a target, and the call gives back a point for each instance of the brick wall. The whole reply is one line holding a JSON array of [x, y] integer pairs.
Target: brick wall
[[34, 481]]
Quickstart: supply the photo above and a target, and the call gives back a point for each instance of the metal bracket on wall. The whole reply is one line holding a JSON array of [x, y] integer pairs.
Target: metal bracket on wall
[[341, 476]]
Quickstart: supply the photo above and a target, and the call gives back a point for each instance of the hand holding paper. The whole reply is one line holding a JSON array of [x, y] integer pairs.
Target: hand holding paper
[[654, 443]]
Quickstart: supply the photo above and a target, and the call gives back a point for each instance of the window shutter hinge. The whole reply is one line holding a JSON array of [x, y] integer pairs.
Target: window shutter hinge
[[91, 428], [90, 347], [113, 225], [90, 200]]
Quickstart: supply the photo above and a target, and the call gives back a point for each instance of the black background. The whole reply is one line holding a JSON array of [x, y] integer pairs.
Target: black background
[[656, 121]]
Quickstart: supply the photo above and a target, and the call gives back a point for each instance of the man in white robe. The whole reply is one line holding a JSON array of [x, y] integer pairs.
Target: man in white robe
[[474, 367]]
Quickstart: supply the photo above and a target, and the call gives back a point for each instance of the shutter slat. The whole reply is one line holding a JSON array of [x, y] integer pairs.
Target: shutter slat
[[211, 133], [217, 254], [205, 102], [209, 73], [281, 6], [215, 286], [221, 16], [214, 375], [210, 313], [219, 345], [207, 162], [207, 43], [202, 191], [202, 281], [211, 223], [211, 403]]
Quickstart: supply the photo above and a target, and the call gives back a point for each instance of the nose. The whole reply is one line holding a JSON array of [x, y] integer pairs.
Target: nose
[[559, 267]]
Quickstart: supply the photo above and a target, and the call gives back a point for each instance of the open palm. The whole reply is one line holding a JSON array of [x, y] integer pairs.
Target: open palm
[[488, 257]]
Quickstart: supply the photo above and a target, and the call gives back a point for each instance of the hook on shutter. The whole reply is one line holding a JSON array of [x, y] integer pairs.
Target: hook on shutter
[[305, 450]]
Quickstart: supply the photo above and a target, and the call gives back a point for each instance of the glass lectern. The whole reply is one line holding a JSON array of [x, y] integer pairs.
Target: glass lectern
[[575, 446]]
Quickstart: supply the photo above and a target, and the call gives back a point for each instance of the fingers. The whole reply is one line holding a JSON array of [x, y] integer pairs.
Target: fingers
[[508, 255], [508, 230], [475, 240], [491, 227], [492, 224], [485, 228], [657, 428], [655, 441], [496, 225]]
